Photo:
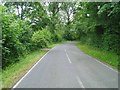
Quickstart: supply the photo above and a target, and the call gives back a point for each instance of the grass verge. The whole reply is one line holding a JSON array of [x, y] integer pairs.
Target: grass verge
[[14, 72], [106, 57]]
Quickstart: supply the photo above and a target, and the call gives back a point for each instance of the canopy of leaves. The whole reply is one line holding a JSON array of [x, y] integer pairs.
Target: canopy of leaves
[[27, 26]]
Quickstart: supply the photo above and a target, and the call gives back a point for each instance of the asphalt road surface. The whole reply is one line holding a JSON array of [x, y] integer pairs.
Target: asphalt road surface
[[65, 66]]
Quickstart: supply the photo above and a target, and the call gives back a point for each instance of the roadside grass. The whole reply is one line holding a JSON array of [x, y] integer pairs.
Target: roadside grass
[[14, 72], [0, 78], [106, 57]]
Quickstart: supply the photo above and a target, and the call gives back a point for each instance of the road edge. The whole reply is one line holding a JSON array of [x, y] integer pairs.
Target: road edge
[[17, 83]]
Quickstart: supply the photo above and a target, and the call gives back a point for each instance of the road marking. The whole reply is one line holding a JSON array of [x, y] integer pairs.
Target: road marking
[[80, 82], [106, 65], [30, 70], [67, 56]]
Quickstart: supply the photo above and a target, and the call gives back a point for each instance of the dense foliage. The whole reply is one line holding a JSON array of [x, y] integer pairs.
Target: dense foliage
[[41, 38], [27, 26], [24, 31], [98, 25]]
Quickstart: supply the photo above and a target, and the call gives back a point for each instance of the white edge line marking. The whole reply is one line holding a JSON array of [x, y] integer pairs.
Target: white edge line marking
[[106, 65], [68, 56], [102, 63], [80, 82], [30, 70]]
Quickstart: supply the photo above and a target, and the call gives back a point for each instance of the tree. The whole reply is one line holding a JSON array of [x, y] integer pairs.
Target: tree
[[69, 9]]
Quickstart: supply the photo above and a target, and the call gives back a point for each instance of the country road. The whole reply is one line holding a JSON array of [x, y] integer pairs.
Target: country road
[[65, 66]]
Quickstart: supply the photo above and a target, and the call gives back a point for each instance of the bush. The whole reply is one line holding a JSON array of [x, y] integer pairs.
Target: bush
[[111, 41], [56, 37], [15, 37], [41, 38]]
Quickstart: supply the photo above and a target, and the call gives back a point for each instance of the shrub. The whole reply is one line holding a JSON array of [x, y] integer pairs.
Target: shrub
[[41, 38], [56, 37], [15, 38]]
